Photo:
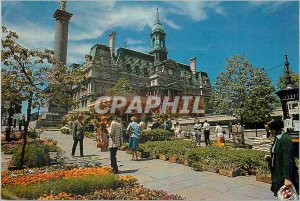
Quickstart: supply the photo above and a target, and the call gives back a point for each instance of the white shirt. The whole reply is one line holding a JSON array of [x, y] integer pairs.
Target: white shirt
[[206, 126], [197, 126], [218, 129]]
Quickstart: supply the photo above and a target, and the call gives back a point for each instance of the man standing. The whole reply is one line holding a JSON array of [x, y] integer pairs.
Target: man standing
[[115, 141], [230, 129], [143, 125], [156, 125], [206, 128], [197, 128], [78, 135], [234, 132]]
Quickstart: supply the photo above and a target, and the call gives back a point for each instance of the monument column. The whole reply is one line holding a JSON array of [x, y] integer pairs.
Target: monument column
[[62, 18]]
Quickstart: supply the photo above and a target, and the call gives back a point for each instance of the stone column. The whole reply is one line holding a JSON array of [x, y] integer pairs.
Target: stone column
[[61, 34]]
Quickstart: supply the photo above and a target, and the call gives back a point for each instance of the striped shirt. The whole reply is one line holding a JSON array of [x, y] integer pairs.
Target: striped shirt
[[115, 135]]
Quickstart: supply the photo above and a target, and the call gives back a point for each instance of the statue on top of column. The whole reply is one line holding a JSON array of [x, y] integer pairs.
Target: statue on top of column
[[63, 5]]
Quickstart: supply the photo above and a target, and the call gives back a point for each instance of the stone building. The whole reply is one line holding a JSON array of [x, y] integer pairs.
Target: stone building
[[150, 73]]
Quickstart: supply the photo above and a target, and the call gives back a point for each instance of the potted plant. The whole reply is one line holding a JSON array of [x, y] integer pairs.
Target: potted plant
[[263, 174]]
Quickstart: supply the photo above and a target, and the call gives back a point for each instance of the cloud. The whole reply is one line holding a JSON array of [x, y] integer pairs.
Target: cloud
[[268, 7], [196, 10], [172, 24], [130, 41], [92, 19], [32, 35], [139, 48], [77, 51]]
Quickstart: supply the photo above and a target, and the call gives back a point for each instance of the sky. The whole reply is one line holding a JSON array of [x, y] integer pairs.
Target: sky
[[211, 31]]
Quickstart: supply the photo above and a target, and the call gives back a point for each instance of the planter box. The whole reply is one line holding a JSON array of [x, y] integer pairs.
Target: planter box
[[173, 159], [263, 178], [143, 154], [154, 156], [212, 169], [230, 173], [163, 157], [181, 161], [253, 172], [187, 163], [122, 148]]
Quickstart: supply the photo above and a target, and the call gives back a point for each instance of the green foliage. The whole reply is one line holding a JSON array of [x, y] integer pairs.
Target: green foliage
[[7, 195], [80, 185], [89, 134], [174, 148], [122, 86], [9, 148], [156, 135], [244, 90], [281, 81], [35, 156], [227, 157]]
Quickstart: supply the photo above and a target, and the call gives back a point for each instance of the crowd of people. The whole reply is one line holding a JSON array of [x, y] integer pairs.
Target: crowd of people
[[110, 135]]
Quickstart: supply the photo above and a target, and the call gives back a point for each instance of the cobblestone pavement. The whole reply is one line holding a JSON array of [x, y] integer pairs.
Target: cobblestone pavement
[[174, 178]]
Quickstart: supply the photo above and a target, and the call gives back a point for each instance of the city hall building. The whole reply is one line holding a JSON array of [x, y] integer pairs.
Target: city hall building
[[152, 73]]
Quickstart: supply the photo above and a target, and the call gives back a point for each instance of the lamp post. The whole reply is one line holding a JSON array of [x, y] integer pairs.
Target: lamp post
[[289, 97]]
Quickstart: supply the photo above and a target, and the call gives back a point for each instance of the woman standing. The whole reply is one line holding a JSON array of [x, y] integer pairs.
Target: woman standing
[[134, 132], [78, 135], [103, 133], [219, 135], [281, 162]]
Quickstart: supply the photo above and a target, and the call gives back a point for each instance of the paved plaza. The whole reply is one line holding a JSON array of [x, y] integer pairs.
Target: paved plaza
[[174, 178]]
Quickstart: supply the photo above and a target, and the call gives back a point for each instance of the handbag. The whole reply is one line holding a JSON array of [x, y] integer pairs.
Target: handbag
[[100, 144], [286, 193]]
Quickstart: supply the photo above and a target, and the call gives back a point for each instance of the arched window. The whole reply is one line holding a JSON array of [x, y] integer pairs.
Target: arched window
[[153, 42]]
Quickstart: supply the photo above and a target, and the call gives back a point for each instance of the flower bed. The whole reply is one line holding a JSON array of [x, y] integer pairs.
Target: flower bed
[[128, 189], [34, 178], [77, 183]]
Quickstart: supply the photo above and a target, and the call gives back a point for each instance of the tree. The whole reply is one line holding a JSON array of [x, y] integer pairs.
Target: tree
[[32, 73], [244, 90], [282, 79], [11, 96], [122, 86]]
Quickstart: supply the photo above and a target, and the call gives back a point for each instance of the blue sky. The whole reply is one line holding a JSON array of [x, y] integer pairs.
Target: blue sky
[[211, 31]]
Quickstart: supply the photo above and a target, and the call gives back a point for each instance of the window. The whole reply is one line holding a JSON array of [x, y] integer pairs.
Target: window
[[137, 70], [145, 71]]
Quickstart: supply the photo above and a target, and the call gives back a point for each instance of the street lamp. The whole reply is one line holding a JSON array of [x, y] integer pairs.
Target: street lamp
[[289, 97]]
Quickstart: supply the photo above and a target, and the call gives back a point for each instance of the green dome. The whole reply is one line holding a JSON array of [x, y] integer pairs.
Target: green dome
[[158, 27]]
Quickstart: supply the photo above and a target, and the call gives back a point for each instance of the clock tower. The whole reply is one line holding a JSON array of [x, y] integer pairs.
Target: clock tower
[[158, 41]]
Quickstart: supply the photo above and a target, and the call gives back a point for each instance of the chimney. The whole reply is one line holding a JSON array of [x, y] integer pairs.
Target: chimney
[[112, 42], [193, 65]]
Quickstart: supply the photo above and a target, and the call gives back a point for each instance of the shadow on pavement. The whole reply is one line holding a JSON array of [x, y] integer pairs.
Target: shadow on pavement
[[127, 171], [86, 156]]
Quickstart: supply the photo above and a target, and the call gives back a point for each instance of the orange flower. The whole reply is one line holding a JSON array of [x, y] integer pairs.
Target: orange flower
[[33, 178]]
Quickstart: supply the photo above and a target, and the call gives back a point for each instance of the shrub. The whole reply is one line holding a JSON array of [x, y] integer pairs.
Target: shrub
[[156, 135], [7, 195], [9, 148], [79, 185], [35, 156]]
